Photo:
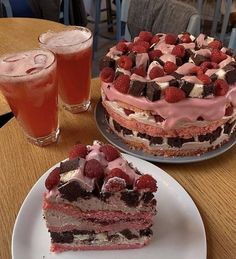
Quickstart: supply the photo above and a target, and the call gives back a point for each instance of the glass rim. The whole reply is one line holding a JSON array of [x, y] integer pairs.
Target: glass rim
[[67, 28], [25, 51]]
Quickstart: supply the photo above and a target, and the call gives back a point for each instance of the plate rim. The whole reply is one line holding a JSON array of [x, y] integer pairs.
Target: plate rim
[[119, 143], [161, 174]]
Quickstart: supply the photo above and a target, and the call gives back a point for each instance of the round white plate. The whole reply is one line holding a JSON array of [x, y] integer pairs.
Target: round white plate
[[178, 227]]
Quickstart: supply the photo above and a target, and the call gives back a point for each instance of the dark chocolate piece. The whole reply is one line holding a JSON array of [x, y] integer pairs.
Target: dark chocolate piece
[[117, 126], [147, 197], [105, 196], [174, 82], [215, 134], [127, 131], [175, 142], [69, 165], [131, 198], [230, 76], [128, 234], [186, 140], [156, 140], [187, 87], [132, 56], [198, 59], [142, 135], [208, 90], [137, 88], [179, 61], [177, 76], [64, 237], [205, 137], [232, 64], [146, 232], [213, 77], [229, 52], [153, 91], [107, 62], [162, 63], [228, 127]]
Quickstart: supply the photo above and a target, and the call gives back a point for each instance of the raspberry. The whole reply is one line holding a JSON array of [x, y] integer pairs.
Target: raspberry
[[217, 56], [229, 111], [121, 84], [140, 71], [156, 72], [174, 94], [146, 181], [130, 46], [186, 38], [117, 172], [208, 65], [154, 54], [196, 71], [155, 39], [142, 43], [145, 35], [169, 67], [107, 74], [115, 184], [110, 152], [93, 169], [128, 112], [171, 38], [221, 87], [78, 150], [53, 179], [215, 44], [178, 51], [125, 62], [121, 46], [139, 48], [205, 79]]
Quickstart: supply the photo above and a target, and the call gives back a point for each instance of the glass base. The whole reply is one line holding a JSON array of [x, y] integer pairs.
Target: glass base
[[47, 140], [77, 108]]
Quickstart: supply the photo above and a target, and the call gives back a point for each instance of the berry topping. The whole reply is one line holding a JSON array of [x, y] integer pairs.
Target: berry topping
[[145, 35], [142, 43], [128, 112], [171, 38], [208, 65], [125, 62], [186, 38], [229, 111], [78, 150], [93, 169], [121, 84], [217, 56], [155, 39], [156, 72], [215, 44], [196, 71], [121, 46], [174, 94], [110, 152], [117, 172], [154, 54], [221, 87], [53, 179], [140, 71], [107, 74], [115, 184], [170, 67], [130, 46], [178, 51], [139, 48], [146, 182], [205, 79]]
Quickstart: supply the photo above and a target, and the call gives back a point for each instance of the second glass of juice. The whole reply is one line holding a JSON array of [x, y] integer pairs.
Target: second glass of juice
[[73, 49]]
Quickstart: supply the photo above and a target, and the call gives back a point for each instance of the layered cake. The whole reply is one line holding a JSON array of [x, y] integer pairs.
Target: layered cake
[[170, 95], [97, 200]]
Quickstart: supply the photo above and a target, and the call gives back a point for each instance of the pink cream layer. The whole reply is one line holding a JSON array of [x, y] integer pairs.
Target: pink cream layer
[[187, 110]]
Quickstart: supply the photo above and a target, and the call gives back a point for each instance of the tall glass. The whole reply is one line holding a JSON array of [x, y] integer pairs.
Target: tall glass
[[73, 49], [28, 80]]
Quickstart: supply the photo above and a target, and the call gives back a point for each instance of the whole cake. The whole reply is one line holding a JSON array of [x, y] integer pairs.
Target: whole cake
[[170, 95], [97, 200]]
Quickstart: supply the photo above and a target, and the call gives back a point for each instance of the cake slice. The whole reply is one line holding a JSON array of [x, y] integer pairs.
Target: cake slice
[[97, 200]]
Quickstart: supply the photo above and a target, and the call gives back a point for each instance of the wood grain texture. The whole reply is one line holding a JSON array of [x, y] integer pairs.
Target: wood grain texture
[[211, 184]]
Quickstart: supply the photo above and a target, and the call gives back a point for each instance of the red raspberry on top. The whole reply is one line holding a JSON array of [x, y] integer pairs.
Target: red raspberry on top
[[121, 46], [156, 72], [78, 150], [53, 179], [110, 152], [115, 185], [208, 65], [174, 94], [139, 48], [185, 38], [217, 56], [93, 169], [171, 38], [221, 87], [140, 71], [178, 51], [146, 181], [154, 54], [196, 71], [205, 79], [215, 44], [122, 83], [130, 46], [170, 67], [145, 35], [107, 74], [155, 39], [125, 62], [117, 172], [142, 43]]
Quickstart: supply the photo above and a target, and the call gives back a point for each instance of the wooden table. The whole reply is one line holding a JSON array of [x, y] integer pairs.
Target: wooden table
[[211, 184]]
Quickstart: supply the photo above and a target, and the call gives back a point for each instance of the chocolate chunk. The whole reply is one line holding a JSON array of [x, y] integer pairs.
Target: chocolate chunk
[[132, 56], [175, 142], [228, 127], [131, 198], [213, 77], [128, 234], [177, 76], [174, 82], [64, 237], [153, 91], [179, 61], [107, 62], [187, 87], [127, 131], [117, 126], [230, 52], [143, 135], [72, 190], [147, 197], [205, 137], [146, 232], [137, 88], [105, 196], [156, 140], [186, 140], [232, 64], [198, 59], [69, 165], [187, 55], [162, 63], [208, 90], [230, 76], [215, 134]]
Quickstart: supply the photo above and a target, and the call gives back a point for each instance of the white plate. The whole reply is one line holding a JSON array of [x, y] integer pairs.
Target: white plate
[[178, 228]]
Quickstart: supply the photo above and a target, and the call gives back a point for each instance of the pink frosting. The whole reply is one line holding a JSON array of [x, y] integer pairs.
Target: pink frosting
[[188, 45], [225, 62], [187, 110], [203, 52], [185, 68], [201, 40], [142, 59], [192, 79], [164, 48], [168, 57], [114, 52], [210, 72]]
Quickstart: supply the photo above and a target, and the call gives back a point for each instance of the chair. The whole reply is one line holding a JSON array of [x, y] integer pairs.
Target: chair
[[232, 40], [7, 7]]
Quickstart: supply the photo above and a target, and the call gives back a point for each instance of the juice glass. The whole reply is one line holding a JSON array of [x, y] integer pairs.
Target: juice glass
[[73, 49], [28, 80]]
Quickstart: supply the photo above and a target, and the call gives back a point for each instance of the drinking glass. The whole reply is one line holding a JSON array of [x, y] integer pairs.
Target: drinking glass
[[28, 80], [73, 49]]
